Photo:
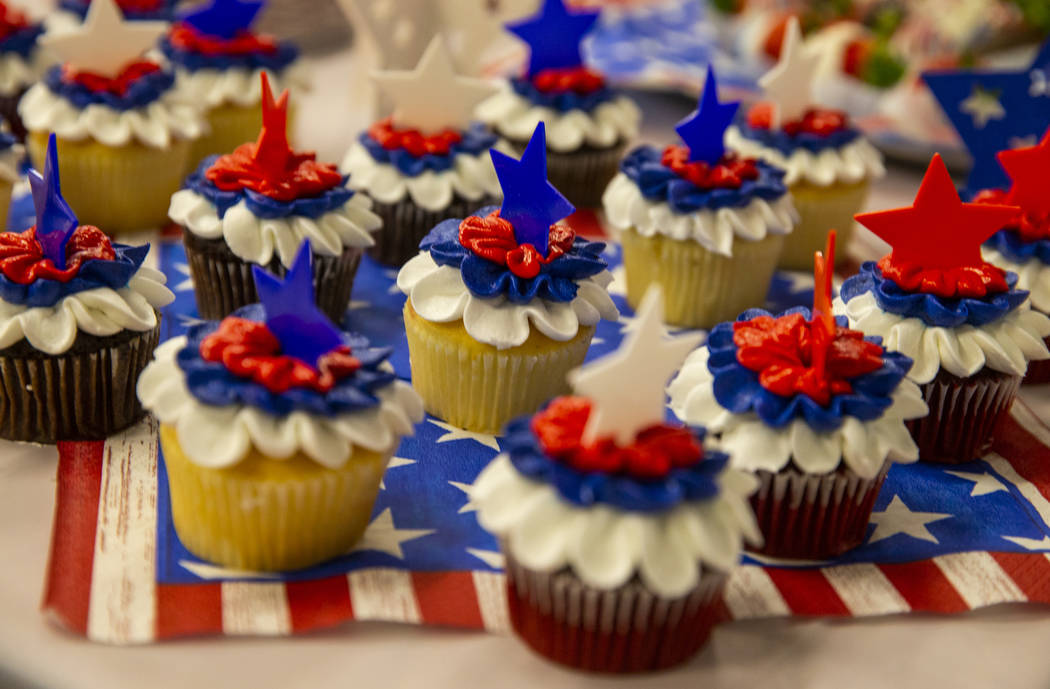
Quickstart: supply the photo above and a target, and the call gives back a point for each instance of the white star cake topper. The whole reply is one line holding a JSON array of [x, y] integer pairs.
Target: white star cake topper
[[433, 97], [627, 387], [789, 85], [105, 43]]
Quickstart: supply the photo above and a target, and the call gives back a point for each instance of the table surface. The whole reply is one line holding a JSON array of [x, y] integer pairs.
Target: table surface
[[1003, 645]]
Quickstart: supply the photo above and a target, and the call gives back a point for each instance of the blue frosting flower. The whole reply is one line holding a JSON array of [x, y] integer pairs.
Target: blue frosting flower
[[275, 61], [698, 482], [562, 101], [165, 13], [212, 383], [93, 274], [658, 182], [933, 310], [477, 139], [555, 282], [143, 91], [263, 206], [1010, 245], [23, 41], [787, 144], [737, 388]]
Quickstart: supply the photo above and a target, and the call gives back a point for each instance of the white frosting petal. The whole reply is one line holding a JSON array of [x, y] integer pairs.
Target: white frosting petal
[[515, 117], [439, 295], [256, 240], [1032, 275], [752, 445], [217, 437], [16, 72], [855, 162], [626, 207], [210, 88], [1005, 345], [606, 547]]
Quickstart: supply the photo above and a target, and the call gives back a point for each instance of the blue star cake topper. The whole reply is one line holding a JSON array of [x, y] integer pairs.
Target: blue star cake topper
[[703, 131], [530, 203], [995, 110], [554, 35], [304, 332], [55, 220], [223, 18]]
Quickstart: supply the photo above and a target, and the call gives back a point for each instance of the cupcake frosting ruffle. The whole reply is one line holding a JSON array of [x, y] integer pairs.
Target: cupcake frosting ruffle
[[239, 86], [1033, 272], [850, 161]]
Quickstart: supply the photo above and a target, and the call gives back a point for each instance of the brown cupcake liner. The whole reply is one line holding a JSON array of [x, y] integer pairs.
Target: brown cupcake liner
[[87, 393], [813, 516], [582, 176], [622, 630], [9, 111], [963, 415], [405, 224], [1038, 371], [223, 282]]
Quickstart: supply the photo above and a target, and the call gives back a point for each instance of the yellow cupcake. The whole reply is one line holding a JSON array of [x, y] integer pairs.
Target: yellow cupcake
[[229, 126]]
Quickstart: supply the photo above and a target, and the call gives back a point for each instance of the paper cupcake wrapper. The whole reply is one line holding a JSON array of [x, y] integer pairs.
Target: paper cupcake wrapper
[[405, 224], [9, 111], [821, 209], [118, 189], [1038, 371], [479, 388], [236, 518], [581, 176], [223, 282], [813, 517], [627, 629], [701, 288], [79, 395], [963, 415]]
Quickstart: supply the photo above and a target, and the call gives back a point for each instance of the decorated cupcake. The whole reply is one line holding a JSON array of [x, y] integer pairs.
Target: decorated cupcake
[[428, 162], [217, 60], [125, 140], [588, 123], [276, 428], [21, 63], [503, 304], [256, 206], [706, 224], [970, 331], [618, 528], [78, 323], [829, 164]]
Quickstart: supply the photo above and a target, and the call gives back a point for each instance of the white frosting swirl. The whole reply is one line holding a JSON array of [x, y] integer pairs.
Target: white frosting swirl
[[256, 240], [101, 311], [855, 162], [626, 207], [1005, 345], [752, 445], [471, 177], [1032, 275], [606, 547], [155, 125], [217, 437], [210, 88], [516, 117], [439, 295], [16, 72]]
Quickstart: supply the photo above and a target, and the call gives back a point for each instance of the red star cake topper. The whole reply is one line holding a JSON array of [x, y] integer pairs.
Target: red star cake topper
[[272, 149], [1027, 168], [823, 318]]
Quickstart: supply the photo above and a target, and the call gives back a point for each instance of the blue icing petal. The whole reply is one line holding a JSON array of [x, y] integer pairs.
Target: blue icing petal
[[143, 91], [22, 42], [477, 140], [1012, 246], [562, 101], [932, 310], [277, 61], [93, 274], [787, 144]]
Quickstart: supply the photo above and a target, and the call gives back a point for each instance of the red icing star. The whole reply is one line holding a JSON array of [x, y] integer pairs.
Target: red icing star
[[1029, 226], [581, 80], [937, 241], [1028, 169], [22, 258], [412, 140], [492, 238], [817, 121], [730, 172]]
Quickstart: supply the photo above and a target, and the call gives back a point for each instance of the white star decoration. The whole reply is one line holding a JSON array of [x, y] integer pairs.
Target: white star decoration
[[394, 463], [790, 83], [433, 97], [983, 106], [460, 434], [105, 43], [898, 519], [983, 484], [383, 536], [627, 386]]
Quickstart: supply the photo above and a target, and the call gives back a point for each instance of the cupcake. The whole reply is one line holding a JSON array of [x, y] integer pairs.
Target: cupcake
[[829, 164], [428, 162], [706, 224], [618, 528], [276, 428], [256, 206], [125, 140], [816, 411], [78, 324], [217, 60], [963, 321], [589, 124], [501, 305], [21, 63], [1022, 245]]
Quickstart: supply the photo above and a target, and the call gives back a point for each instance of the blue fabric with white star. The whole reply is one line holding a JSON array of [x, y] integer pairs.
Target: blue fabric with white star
[[1010, 245], [476, 141]]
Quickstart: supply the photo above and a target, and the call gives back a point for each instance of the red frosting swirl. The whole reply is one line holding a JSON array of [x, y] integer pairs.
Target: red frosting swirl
[[581, 80], [301, 176], [12, 20], [492, 238], [1030, 227], [412, 140], [655, 452], [118, 85], [974, 282], [816, 121], [729, 173], [189, 39], [793, 355], [250, 350], [22, 258]]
